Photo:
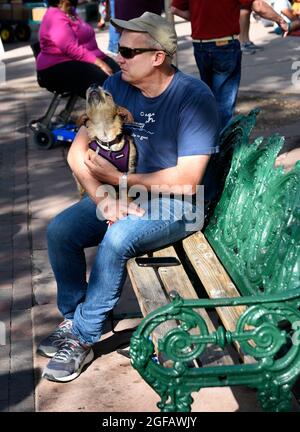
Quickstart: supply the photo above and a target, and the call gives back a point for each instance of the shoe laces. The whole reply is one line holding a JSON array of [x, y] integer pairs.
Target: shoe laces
[[67, 350]]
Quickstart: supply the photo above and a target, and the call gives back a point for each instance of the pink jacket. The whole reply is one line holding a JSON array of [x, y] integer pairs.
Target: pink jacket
[[62, 39]]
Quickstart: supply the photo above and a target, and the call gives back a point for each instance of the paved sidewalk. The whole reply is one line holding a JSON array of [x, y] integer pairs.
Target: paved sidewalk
[[34, 186]]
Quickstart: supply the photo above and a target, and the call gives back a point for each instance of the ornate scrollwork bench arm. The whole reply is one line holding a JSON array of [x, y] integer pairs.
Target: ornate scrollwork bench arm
[[267, 331]]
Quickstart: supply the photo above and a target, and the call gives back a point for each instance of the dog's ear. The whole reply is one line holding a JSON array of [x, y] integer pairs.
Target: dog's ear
[[125, 115]]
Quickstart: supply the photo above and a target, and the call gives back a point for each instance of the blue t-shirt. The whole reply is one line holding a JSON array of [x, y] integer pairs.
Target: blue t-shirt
[[182, 121]]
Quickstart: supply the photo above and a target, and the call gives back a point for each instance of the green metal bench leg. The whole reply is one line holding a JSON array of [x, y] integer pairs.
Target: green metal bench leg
[[275, 398], [175, 400]]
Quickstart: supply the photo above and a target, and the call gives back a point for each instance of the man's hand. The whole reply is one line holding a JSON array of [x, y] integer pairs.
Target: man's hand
[[185, 14], [102, 65], [264, 10], [101, 169], [115, 209], [292, 26], [284, 27]]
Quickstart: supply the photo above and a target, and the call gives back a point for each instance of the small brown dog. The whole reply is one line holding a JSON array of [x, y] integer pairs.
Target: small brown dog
[[105, 129], [104, 121]]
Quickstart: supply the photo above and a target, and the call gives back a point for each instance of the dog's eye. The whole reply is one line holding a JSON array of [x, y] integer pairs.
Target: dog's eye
[[107, 94]]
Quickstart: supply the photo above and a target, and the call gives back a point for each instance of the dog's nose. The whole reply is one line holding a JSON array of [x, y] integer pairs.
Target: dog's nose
[[95, 95]]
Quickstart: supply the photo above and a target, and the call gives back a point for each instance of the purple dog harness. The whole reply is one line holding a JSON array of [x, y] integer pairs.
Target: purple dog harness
[[119, 158]]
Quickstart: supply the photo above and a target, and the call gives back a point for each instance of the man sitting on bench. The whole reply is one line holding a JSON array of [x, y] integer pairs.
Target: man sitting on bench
[[175, 131]]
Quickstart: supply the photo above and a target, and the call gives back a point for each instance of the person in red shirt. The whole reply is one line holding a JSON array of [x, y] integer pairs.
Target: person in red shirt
[[217, 51]]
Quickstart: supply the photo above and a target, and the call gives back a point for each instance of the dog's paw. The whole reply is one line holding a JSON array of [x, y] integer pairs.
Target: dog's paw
[[81, 120]]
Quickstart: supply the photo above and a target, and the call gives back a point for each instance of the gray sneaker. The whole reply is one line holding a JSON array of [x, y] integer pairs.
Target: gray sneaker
[[68, 362], [247, 48], [255, 47], [50, 345], [250, 48]]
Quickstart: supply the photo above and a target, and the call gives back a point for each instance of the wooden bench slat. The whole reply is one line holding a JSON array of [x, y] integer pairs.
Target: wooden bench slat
[[149, 293], [215, 280], [146, 286]]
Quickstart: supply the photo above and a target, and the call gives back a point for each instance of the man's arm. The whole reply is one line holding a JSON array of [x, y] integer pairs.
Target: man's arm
[[185, 14], [110, 208], [181, 8], [76, 157], [189, 172], [264, 10]]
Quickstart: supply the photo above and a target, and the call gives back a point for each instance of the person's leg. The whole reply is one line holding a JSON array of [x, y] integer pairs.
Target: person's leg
[[68, 234], [112, 64], [90, 74], [129, 237], [114, 35], [226, 79], [102, 14], [162, 224], [73, 76]]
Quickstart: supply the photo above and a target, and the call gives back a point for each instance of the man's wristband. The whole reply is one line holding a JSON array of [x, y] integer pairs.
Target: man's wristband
[[123, 181]]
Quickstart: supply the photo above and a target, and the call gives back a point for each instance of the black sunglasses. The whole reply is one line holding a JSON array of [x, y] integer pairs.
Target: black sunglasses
[[129, 53]]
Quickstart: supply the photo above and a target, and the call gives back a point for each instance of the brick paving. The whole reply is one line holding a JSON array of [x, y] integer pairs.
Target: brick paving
[[16, 360], [28, 200]]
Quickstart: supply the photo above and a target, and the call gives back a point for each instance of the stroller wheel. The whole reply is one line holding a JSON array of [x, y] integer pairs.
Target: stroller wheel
[[44, 139], [6, 33], [22, 32]]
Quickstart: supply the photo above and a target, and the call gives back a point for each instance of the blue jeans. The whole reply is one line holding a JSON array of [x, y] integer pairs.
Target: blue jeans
[[220, 69], [114, 35], [77, 228]]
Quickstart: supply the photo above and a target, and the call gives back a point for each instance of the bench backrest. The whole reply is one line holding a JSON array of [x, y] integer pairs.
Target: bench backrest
[[231, 137], [255, 228]]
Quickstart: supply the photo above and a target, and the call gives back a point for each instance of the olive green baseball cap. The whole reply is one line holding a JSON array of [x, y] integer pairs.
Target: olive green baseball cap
[[156, 26]]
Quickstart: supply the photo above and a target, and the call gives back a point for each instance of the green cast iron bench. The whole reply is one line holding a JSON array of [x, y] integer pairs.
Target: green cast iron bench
[[248, 261]]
